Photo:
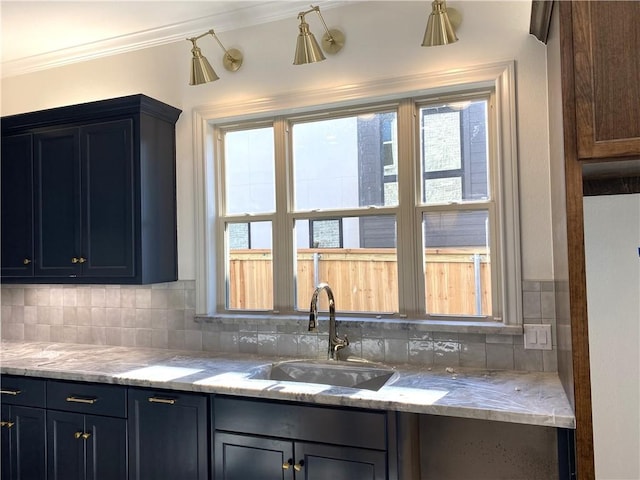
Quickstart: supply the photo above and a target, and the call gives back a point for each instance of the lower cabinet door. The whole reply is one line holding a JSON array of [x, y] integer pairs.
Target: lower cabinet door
[[168, 437], [5, 442], [321, 462], [243, 457], [105, 448], [65, 446], [23, 443], [86, 447]]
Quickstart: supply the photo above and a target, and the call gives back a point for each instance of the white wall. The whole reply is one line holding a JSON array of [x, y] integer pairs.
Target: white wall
[[612, 240], [383, 40]]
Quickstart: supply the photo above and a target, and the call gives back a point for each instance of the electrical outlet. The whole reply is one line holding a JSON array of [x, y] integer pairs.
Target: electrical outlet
[[537, 337]]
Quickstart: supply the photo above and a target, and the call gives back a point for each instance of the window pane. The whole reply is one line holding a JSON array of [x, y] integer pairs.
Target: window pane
[[250, 266], [249, 171], [362, 273], [454, 151], [457, 263], [345, 162]]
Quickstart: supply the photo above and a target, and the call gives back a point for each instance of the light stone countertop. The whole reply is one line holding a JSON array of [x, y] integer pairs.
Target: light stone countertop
[[534, 398]]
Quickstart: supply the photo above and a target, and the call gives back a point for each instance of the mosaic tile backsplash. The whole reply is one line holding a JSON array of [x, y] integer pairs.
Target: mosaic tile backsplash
[[163, 316]]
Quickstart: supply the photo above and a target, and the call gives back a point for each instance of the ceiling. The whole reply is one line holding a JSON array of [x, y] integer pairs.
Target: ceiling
[[43, 34]]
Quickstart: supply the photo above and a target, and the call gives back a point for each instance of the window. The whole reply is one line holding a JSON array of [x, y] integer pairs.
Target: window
[[406, 207]]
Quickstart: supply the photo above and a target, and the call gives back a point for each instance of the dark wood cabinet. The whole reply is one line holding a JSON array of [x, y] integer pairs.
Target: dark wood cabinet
[[22, 429], [606, 42], [17, 206], [168, 435], [274, 440], [86, 431], [103, 204]]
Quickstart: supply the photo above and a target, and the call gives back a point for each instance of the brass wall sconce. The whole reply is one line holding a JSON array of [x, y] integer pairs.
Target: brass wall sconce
[[201, 70], [440, 27], [307, 48]]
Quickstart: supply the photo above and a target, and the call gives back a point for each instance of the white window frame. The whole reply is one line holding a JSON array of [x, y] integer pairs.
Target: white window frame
[[499, 77]]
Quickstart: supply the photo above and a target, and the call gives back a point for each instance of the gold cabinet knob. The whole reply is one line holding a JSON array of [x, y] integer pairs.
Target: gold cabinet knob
[[287, 465], [298, 466], [78, 260], [77, 435], [26, 261], [7, 424], [85, 436]]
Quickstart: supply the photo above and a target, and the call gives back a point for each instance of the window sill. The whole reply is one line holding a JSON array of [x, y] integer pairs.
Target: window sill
[[298, 322]]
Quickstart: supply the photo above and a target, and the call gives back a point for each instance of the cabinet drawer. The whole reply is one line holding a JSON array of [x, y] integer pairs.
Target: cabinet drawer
[[353, 427], [24, 391], [92, 399]]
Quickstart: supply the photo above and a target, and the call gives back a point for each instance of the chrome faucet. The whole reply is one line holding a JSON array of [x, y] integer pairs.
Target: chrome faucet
[[335, 342]]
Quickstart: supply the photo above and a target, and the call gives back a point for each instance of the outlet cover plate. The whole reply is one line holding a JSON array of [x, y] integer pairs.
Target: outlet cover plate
[[538, 337]]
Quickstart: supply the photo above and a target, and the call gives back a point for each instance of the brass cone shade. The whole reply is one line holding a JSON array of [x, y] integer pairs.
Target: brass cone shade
[[201, 70], [439, 29], [307, 48]]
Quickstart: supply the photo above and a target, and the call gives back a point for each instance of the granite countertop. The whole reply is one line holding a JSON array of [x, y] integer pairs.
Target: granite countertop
[[534, 398]]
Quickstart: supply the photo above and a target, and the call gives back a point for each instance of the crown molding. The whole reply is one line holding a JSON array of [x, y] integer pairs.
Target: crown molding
[[244, 16]]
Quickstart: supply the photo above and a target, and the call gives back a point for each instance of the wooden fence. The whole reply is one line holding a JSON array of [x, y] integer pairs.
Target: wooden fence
[[366, 279]]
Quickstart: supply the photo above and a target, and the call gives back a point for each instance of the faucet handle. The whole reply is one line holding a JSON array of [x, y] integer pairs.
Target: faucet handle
[[340, 343]]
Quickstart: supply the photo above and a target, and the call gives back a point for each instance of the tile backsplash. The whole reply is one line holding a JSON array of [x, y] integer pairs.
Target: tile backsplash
[[163, 316]]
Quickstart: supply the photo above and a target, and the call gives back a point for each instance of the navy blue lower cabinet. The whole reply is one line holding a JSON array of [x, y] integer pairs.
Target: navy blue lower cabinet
[[23, 429], [168, 437], [241, 457], [269, 440], [23, 443], [339, 463], [86, 447]]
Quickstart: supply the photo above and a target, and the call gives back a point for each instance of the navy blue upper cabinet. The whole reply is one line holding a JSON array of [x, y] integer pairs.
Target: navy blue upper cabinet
[[17, 206], [103, 203]]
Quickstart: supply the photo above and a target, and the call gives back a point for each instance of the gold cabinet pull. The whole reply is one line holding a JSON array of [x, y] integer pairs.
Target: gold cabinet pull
[[85, 436], [7, 424], [81, 435], [166, 401], [77, 435], [10, 392], [26, 261], [78, 260], [287, 465], [298, 466], [89, 401]]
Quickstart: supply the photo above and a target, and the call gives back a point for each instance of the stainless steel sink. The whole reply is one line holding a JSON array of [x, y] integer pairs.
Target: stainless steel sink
[[351, 373]]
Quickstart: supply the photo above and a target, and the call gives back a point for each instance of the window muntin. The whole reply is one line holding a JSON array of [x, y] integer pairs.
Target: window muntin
[[389, 199]]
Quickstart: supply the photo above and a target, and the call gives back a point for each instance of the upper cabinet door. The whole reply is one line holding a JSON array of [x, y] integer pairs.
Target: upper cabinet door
[[17, 206], [606, 42], [57, 203], [108, 237]]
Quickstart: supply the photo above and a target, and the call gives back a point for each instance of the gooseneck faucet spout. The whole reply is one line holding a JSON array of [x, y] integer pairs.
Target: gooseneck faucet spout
[[335, 342]]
